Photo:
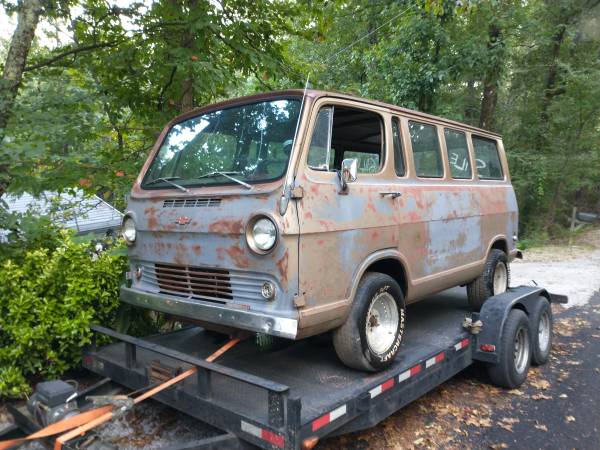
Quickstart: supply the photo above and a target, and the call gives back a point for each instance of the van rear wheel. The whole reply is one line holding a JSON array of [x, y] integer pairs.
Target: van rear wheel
[[494, 280], [371, 336]]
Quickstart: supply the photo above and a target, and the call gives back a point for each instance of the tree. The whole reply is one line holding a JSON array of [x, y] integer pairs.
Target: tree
[[28, 17]]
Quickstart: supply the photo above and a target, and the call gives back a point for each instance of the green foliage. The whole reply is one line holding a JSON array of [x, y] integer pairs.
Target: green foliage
[[26, 232], [47, 303]]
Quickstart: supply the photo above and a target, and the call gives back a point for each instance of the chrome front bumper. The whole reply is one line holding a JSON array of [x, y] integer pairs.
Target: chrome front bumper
[[199, 310]]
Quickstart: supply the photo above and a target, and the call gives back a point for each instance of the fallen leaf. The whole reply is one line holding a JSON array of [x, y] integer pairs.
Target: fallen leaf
[[563, 395], [541, 427], [498, 446], [540, 384], [570, 419], [516, 392], [541, 396]]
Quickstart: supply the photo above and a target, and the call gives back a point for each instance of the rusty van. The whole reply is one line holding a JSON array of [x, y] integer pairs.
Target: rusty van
[[295, 213]]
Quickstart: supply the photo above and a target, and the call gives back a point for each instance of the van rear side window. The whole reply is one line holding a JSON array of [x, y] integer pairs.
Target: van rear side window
[[487, 159], [426, 150], [458, 154]]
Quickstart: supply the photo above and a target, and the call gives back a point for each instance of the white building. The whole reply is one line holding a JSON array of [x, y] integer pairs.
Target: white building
[[84, 214]]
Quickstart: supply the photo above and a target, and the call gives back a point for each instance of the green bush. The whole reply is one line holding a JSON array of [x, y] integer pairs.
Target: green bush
[[48, 299]]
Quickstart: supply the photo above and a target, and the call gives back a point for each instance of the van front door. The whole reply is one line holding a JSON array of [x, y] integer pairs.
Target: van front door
[[338, 230]]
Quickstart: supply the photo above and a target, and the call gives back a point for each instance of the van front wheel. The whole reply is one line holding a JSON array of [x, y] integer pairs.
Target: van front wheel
[[371, 336], [493, 281]]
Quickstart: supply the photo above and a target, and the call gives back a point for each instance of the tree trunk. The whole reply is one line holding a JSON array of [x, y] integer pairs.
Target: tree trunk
[[471, 101], [550, 90], [28, 18], [29, 15], [187, 86], [490, 81]]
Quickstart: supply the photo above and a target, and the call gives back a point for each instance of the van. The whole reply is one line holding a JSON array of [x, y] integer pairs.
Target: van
[[295, 213]]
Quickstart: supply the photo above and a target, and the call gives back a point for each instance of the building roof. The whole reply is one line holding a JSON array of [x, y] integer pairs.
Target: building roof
[[79, 212]]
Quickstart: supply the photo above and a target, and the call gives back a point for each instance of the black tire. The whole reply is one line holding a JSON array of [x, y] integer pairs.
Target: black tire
[[505, 372], [482, 288], [541, 353], [350, 340]]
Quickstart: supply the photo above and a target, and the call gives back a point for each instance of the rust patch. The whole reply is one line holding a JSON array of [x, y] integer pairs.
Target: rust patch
[[237, 255], [197, 250], [227, 227], [150, 213], [282, 265], [180, 255]]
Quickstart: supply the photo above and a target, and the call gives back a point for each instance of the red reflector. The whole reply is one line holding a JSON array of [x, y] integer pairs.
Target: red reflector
[[88, 360], [487, 348], [273, 438], [320, 422], [388, 384], [415, 370]]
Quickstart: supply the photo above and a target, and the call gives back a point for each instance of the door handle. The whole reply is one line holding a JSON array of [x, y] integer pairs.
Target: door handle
[[391, 194]]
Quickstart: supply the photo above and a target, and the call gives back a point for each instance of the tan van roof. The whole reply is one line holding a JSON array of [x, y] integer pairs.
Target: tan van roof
[[315, 94]]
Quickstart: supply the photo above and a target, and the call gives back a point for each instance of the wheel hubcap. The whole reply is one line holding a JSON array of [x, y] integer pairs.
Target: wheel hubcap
[[382, 323], [500, 278], [521, 350], [544, 332]]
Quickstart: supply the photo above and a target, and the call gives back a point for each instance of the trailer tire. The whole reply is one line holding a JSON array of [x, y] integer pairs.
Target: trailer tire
[[514, 352], [494, 280], [360, 343], [542, 323]]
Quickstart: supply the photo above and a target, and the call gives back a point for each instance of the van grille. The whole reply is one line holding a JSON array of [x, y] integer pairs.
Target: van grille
[[203, 283], [194, 281], [191, 202]]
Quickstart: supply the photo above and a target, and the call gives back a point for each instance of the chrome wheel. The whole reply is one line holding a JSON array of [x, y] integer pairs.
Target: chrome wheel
[[521, 351], [500, 283], [382, 323], [544, 332]]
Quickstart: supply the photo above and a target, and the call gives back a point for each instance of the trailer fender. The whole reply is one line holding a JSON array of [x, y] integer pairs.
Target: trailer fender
[[495, 311]]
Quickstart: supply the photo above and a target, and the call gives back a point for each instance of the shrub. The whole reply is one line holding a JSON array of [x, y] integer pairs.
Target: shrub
[[48, 300]]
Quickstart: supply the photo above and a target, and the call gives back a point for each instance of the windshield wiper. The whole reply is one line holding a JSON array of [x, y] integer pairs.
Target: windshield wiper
[[227, 175], [168, 180]]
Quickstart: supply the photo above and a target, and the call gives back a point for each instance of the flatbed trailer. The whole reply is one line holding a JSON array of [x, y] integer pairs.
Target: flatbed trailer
[[295, 396]]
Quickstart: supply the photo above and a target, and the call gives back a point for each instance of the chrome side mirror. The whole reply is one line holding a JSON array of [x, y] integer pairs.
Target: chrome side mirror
[[348, 173]]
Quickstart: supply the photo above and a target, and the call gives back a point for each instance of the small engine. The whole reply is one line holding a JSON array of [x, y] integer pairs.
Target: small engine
[[53, 401]]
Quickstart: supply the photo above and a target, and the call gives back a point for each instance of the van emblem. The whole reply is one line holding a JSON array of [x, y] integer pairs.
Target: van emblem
[[183, 220]]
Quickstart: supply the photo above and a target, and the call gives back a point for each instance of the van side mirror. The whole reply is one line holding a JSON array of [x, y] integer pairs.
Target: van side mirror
[[348, 173]]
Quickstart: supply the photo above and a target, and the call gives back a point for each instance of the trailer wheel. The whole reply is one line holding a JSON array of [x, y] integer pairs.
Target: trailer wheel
[[371, 336], [493, 281], [514, 352], [541, 320]]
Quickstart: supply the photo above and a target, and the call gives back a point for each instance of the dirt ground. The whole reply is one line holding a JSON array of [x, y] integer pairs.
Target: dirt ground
[[554, 409]]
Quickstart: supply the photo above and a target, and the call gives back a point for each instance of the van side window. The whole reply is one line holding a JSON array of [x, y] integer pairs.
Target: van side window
[[340, 133], [426, 150], [487, 159], [458, 153], [319, 154], [398, 153]]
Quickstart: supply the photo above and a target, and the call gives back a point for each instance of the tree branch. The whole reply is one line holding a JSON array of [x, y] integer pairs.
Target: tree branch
[[73, 51]]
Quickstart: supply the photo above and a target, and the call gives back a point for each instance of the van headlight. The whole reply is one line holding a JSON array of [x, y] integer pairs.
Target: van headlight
[[128, 230], [262, 235]]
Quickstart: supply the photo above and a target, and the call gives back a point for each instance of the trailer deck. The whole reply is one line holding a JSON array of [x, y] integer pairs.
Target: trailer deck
[[304, 379]]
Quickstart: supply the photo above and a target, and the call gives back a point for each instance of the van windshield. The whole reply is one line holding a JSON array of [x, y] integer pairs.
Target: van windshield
[[241, 144]]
